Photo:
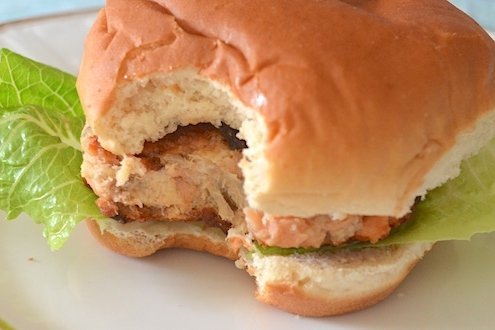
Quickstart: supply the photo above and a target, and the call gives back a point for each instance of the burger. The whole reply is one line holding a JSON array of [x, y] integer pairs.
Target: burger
[[291, 136]]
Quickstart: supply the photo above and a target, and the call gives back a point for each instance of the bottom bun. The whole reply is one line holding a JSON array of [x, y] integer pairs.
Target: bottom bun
[[144, 239], [310, 284], [331, 284]]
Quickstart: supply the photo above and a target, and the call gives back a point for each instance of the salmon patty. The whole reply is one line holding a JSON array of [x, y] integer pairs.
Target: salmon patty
[[188, 175], [193, 175]]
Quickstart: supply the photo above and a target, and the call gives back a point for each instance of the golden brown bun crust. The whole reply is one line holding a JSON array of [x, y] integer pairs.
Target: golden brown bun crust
[[137, 247], [360, 101]]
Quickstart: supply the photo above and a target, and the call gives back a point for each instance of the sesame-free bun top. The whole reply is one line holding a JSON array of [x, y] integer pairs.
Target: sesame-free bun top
[[349, 106]]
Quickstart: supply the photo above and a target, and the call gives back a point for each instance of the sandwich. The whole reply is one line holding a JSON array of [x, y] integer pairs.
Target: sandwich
[[228, 125], [294, 137]]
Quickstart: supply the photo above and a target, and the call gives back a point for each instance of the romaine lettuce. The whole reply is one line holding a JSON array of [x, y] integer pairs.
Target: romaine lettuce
[[40, 154], [26, 82]]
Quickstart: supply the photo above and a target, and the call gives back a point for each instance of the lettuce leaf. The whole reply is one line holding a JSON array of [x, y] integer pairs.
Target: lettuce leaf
[[26, 82], [40, 154]]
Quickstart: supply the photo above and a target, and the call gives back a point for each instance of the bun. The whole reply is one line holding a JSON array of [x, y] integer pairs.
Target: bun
[[141, 240], [347, 108], [331, 284], [309, 284], [370, 103]]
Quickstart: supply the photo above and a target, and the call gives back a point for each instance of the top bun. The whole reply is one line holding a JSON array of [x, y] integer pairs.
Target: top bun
[[352, 107]]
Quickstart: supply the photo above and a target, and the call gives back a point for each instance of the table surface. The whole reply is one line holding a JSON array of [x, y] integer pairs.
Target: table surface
[[12, 10], [482, 10]]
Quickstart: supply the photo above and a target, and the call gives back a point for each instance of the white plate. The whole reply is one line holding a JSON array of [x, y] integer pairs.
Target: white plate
[[84, 286]]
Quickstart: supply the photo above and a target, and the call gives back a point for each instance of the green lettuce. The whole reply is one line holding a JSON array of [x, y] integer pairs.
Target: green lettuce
[[40, 155], [26, 82]]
